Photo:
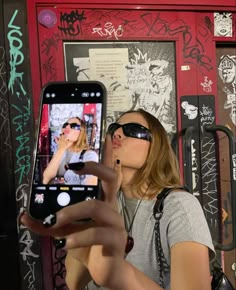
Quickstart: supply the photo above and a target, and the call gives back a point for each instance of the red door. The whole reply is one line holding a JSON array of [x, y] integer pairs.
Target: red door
[[145, 58]]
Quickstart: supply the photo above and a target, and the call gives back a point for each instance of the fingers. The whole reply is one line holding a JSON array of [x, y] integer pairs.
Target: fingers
[[62, 141], [107, 152], [100, 212], [110, 189], [66, 220], [98, 169], [105, 236], [38, 227]]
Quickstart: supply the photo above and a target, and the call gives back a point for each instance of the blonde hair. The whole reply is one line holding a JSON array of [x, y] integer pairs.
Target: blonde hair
[[82, 141], [161, 167]]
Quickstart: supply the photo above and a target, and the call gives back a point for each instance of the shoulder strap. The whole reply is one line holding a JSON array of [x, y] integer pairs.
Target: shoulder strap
[[158, 207], [157, 212], [82, 155]]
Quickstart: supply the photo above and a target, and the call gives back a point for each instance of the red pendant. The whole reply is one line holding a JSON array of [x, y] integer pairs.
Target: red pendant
[[129, 245]]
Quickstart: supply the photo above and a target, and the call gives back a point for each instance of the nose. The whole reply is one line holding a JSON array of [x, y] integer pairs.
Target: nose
[[118, 134]]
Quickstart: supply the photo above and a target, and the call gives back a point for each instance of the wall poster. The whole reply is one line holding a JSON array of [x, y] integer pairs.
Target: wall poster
[[135, 74]]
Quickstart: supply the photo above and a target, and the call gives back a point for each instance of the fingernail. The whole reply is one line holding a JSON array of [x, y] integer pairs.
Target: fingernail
[[60, 243], [117, 161], [50, 220]]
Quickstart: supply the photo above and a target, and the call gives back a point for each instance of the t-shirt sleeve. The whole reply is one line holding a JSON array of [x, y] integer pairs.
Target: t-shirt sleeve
[[186, 221]]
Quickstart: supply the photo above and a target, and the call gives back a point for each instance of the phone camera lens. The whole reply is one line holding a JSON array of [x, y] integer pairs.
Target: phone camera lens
[[85, 94]]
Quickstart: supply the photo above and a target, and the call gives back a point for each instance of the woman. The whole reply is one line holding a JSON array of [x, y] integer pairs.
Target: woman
[[72, 147], [144, 164]]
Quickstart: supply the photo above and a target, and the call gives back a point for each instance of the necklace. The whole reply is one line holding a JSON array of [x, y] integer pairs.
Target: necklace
[[130, 240]]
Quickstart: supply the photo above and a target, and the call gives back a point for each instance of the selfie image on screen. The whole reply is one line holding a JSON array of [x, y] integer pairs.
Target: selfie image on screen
[[69, 133]]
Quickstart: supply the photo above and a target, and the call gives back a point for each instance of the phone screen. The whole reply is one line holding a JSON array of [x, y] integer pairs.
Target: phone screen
[[70, 131]]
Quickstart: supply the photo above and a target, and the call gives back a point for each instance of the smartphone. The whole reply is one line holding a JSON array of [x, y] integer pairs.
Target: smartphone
[[70, 132]]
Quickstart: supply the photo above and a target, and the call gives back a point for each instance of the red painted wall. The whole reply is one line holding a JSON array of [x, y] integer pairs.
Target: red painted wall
[[190, 27]]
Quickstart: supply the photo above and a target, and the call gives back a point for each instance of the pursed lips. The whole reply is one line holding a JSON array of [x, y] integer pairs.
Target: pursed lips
[[116, 143]]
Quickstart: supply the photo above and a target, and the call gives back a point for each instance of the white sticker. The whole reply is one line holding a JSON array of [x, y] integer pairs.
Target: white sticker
[[185, 67]]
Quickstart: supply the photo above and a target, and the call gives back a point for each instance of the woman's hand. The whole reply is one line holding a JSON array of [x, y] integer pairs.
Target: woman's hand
[[63, 142], [99, 244]]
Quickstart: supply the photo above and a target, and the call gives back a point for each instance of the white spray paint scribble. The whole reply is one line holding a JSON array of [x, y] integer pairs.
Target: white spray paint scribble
[[206, 85], [109, 31]]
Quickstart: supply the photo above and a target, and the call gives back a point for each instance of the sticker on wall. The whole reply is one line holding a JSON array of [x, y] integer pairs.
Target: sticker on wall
[[190, 111], [47, 18], [135, 74], [234, 166], [227, 73], [223, 24]]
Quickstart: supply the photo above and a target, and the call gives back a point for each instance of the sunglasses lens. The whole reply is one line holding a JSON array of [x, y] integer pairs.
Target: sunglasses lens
[[136, 131], [112, 128], [72, 125], [75, 126], [131, 130], [64, 125]]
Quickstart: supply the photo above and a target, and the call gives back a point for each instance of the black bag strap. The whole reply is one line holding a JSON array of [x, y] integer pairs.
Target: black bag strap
[[219, 279], [158, 207], [157, 212], [82, 155]]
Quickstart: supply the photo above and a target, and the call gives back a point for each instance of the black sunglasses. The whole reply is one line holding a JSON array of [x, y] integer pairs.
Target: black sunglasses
[[133, 130], [72, 125]]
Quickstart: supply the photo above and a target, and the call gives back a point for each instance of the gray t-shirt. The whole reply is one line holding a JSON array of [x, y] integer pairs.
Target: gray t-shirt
[[70, 177], [183, 220]]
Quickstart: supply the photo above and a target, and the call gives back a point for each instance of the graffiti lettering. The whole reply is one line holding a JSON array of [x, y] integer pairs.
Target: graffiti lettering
[[4, 123], [16, 55], [22, 195], [49, 68], [4, 118], [206, 85], [109, 31], [23, 157], [49, 43], [30, 275], [193, 51], [207, 116], [209, 178], [3, 85], [71, 23], [26, 242], [20, 121]]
